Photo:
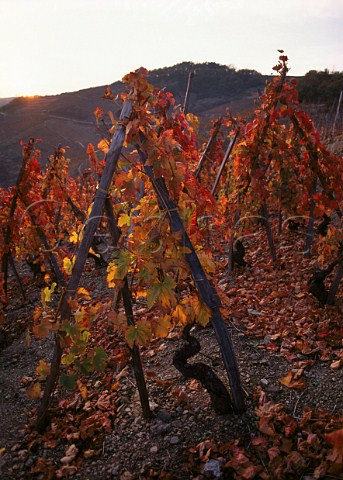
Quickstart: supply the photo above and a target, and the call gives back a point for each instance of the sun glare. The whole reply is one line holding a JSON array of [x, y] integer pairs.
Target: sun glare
[[31, 97]]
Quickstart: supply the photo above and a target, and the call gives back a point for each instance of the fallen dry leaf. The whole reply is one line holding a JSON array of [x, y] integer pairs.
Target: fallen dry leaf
[[336, 440], [294, 379], [337, 364]]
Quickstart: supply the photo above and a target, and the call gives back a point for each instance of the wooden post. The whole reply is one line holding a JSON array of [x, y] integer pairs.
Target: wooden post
[[209, 146], [186, 100], [27, 151], [337, 113], [16, 274], [279, 230], [265, 215], [42, 237], [126, 294], [224, 161], [310, 229], [314, 161], [230, 255], [335, 284]]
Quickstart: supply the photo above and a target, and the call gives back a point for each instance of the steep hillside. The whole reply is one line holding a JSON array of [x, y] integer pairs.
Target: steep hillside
[[68, 118], [4, 101]]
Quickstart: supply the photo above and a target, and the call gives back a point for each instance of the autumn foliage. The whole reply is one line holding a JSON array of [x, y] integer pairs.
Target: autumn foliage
[[278, 165]]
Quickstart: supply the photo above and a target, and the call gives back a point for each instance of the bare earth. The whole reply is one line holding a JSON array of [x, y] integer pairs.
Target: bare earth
[[134, 447]]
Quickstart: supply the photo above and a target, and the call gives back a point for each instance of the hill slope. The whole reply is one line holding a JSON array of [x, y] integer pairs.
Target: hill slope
[[68, 118]]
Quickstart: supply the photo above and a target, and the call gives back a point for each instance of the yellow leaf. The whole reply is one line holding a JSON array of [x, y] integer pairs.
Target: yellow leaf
[[181, 315], [89, 211], [68, 359], [103, 145], [91, 453], [74, 238], [140, 293], [124, 219], [82, 389], [42, 370], [34, 391], [118, 268], [201, 311], [68, 265], [82, 291], [46, 294]]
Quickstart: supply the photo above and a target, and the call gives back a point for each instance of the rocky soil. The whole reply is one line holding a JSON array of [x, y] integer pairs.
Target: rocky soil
[[165, 446]]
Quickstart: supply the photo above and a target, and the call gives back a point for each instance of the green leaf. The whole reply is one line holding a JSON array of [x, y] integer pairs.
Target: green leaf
[[71, 329], [99, 359], [85, 366], [84, 336], [140, 333], [162, 292], [68, 359], [118, 268], [68, 381]]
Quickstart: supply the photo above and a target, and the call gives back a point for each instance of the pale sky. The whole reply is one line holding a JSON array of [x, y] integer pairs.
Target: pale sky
[[54, 46]]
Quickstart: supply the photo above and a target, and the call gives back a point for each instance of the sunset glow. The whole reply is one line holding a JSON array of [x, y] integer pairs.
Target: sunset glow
[[49, 47]]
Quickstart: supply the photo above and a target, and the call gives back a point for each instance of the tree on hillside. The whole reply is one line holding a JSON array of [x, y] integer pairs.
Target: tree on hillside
[[320, 86]]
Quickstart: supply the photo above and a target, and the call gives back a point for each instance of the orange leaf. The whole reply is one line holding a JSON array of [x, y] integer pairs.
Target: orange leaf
[[34, 391], [194, 385], [43, 370], [82, 388], [293, 380], [337, 364], [336, 440], [162, 326]]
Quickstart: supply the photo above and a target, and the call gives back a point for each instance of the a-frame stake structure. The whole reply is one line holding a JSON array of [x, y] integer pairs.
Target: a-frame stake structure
[[92, 225], [205, 289]]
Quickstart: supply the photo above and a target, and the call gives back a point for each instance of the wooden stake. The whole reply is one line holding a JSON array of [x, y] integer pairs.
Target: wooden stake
[[337, 113], [27, 152], [269, 232], [186, 100], [224, 161], [209, 146], [335, 284], [127, 300]]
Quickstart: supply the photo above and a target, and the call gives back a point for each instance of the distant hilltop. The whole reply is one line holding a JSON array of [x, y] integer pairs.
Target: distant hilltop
[[5, 101], [68, 119]]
